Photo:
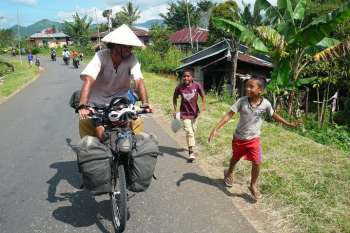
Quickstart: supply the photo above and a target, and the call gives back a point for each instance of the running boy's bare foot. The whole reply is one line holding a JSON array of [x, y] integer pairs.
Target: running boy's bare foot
[[255, 192], [228, 178]]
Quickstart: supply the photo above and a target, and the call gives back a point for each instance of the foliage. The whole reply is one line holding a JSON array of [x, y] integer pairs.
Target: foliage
[[79, 29], [176, 17], [151, 59], [226, 10], [160, 40], [288, 42], [128, 15], [6, 38]]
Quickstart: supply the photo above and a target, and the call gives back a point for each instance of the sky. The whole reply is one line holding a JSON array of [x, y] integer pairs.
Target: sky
[[27, 12]]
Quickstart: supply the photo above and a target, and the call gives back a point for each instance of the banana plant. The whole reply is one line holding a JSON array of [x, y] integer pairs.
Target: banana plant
[[288, 40]]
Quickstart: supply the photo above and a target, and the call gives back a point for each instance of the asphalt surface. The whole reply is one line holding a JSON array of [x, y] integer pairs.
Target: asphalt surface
[[39, 179]]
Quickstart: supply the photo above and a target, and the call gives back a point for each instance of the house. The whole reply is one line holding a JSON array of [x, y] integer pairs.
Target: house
[[49, 37], [212, 66], [141, 33], [182, 39]]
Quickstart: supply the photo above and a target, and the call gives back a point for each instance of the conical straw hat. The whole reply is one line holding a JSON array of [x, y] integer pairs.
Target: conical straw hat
[[123, 35]]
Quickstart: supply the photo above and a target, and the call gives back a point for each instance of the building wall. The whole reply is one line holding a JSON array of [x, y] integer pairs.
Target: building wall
[[51, 43]]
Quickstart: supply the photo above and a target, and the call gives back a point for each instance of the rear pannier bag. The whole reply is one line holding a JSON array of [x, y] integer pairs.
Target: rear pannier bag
[[95, 166], [143, 163]]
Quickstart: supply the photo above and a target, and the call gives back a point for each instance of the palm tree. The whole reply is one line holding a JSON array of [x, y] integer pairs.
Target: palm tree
[[79, 29], [289, 41], [128, 15]]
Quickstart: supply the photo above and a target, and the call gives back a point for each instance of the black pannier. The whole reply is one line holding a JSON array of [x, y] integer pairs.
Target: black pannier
[[143, 163], [94, 160]]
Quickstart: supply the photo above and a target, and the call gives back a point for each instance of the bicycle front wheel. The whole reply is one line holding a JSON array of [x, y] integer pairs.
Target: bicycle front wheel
[[119, 199]]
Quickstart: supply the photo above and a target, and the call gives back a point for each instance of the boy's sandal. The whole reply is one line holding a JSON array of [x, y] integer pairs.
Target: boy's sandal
[[257, 195], [228, 179], [192, 157]]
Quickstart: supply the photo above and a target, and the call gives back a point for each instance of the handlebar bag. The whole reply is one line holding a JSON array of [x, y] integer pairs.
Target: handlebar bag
[[95, 166], [143, 162]]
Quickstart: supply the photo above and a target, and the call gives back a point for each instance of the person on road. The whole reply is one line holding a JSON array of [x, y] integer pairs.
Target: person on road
[[246, 141], [30, 58], [109, 74], [189, 110], [66, 55]]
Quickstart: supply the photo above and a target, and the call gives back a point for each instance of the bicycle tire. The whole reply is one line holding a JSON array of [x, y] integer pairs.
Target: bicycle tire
[[119, 200]]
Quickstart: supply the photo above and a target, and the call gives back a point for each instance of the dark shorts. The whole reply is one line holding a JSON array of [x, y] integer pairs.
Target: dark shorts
[[248, 149]]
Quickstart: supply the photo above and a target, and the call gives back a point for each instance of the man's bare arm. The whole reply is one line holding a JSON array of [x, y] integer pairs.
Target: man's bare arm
[[85, 89], [141, 91]]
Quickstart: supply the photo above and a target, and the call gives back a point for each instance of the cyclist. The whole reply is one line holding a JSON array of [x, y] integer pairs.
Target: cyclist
[[109, 74]]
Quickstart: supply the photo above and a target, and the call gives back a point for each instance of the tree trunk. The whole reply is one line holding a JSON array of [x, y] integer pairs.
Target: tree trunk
[[325, 103], [318, 106], [307, 102], [290, 103], [234, 59]]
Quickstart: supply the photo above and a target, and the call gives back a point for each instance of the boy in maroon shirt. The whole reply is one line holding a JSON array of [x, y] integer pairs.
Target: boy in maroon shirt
[[189, 111]]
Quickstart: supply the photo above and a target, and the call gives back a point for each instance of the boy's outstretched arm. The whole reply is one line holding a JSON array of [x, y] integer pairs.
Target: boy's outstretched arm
[[221, 123], [279, 119]]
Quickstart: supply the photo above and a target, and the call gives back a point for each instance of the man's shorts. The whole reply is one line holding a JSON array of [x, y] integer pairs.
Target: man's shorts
[[248, 149], [87, 127]]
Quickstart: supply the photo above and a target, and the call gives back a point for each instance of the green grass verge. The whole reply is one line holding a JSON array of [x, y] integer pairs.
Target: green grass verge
[[14, 81], [309, 180]]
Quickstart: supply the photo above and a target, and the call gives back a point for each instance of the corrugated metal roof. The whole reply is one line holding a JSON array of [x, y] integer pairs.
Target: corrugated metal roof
[[183, 36], [222, 48], [51, 35]]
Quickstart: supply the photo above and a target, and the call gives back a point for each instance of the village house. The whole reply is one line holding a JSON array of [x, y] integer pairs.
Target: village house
[[212, 67], [49, 38], [182, 38]]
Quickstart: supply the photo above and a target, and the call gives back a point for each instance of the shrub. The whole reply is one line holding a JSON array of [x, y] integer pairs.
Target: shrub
[[151, 60]]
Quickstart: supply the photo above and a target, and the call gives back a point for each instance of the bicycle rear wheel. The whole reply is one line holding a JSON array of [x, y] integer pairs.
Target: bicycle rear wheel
[[119, 199]]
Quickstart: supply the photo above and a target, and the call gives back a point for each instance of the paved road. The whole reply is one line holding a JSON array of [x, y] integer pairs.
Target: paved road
[[39, 179]]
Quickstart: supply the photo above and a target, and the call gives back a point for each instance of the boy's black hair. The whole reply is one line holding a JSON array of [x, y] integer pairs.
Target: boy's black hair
[[261, 81], [188, 70]]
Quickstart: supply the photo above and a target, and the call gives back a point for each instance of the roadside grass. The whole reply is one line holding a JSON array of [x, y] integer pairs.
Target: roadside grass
[[307, 181], [13, 81]]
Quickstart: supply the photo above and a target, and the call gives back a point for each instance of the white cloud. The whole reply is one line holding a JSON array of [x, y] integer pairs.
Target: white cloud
[[26, 2], [153, 13]]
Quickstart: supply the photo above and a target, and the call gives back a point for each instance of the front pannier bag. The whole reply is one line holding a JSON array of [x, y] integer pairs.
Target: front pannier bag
[[95, 166], [143, 163]]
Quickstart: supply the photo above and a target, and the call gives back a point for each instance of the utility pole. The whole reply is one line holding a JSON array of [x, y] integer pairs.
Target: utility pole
[[19, 37], [189, 25], [98, 30]]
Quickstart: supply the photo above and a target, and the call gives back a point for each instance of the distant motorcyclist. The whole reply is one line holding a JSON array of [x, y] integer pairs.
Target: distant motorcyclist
[[66, 56], [75, 58], [53, 54]]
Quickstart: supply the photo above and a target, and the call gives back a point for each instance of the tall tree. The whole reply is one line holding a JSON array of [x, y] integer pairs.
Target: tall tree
[[79, 29], [176, 17], [290, 42], [230, 11], [205, 8], [6, 38], [128, 15]]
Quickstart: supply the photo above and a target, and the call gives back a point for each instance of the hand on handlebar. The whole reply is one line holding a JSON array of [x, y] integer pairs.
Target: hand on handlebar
[[146, 108], [84, 113]]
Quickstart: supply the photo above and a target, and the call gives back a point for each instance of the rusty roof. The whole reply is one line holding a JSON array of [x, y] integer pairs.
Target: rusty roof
[[183, 36]]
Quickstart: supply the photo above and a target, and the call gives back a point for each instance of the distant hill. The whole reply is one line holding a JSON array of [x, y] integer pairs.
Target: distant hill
[[37, 27], [149, 23], [45, 23]]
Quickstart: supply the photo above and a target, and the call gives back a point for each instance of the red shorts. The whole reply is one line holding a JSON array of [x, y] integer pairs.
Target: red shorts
[[249, 149]]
